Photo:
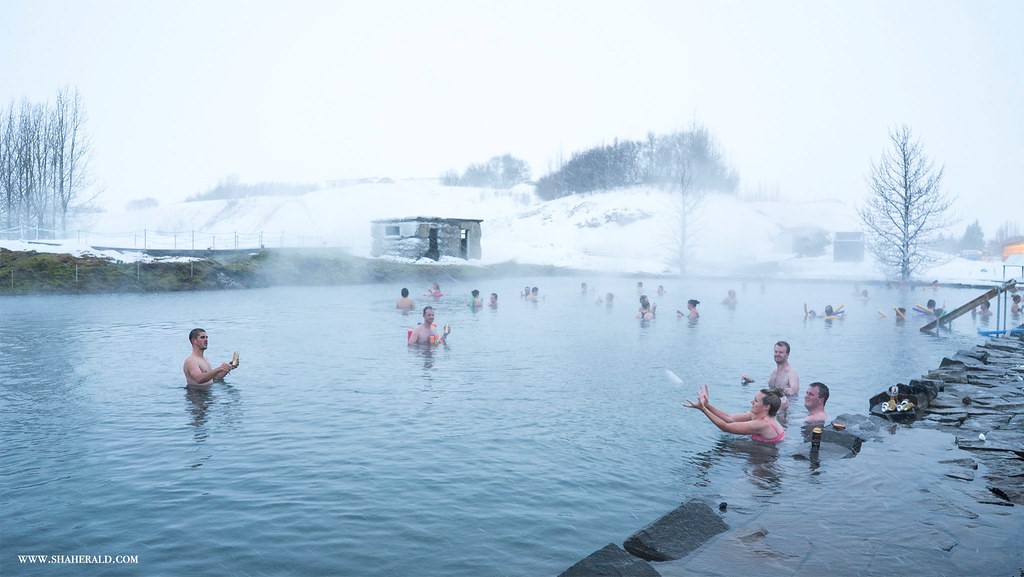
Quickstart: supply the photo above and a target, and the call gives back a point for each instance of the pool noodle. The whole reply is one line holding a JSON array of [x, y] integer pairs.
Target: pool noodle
[[1002, 332]]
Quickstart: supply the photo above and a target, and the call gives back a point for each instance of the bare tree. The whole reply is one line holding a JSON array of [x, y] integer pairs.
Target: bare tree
[[44, 164], [686, 201], [71, 152], [8, 194], [906, 206], [24, 176], [41, 195]]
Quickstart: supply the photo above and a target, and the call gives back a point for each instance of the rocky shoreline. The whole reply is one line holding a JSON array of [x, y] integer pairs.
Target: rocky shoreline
[[980, 403]]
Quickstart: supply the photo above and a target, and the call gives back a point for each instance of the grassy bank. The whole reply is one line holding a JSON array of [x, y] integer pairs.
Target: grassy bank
[[30, 272]]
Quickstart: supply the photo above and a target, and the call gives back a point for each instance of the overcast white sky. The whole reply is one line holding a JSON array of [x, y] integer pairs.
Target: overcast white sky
[[800, 95]]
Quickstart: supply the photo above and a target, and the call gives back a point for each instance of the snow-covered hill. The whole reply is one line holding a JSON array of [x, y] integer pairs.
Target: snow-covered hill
[[632, 231]]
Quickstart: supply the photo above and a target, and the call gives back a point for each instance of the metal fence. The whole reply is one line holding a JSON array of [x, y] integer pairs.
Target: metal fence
[[146, 239]]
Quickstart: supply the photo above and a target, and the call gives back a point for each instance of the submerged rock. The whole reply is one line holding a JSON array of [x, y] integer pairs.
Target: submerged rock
[[610, 561], [676, 534]]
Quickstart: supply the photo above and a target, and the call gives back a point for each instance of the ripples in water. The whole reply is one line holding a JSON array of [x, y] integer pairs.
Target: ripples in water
[[541, 433]]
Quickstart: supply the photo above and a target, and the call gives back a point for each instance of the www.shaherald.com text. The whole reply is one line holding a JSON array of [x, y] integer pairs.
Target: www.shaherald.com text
[[76, 559]]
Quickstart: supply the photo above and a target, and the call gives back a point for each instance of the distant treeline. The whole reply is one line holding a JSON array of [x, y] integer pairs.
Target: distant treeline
[[681, 159], [689, 158], [499, 172], [973, 239], [230, 188], [44, 164]]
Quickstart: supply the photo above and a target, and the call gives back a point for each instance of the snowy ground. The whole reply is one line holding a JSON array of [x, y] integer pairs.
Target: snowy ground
[[624, 231]]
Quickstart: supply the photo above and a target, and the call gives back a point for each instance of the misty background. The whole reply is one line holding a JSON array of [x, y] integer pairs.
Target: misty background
[[799, 96]]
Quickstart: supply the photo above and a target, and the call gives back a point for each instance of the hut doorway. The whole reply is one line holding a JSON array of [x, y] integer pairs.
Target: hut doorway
[[433, 252]]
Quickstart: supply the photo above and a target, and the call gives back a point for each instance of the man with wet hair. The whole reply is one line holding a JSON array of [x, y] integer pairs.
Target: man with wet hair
[[405, 303], [198, 372], [814, 401]]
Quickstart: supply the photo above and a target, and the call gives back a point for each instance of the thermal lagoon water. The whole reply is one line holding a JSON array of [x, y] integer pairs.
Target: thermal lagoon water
[[540, 433]]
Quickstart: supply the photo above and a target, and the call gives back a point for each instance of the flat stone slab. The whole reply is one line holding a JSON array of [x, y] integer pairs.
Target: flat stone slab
[[676, 534], [983, 392], [611, 561]]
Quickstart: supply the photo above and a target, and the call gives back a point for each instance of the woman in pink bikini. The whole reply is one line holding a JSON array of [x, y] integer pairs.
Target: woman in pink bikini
[[759, 422]]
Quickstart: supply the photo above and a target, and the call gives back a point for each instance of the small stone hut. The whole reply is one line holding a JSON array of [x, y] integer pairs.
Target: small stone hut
[[430, 237]]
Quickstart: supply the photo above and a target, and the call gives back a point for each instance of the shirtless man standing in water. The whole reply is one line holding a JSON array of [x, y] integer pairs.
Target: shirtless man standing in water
[[422, 333], [405, 303], [784, 377], [198, 372]]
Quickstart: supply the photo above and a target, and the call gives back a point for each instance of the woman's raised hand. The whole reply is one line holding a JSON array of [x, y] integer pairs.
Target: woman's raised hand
[[702, 399], [702, 395]]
